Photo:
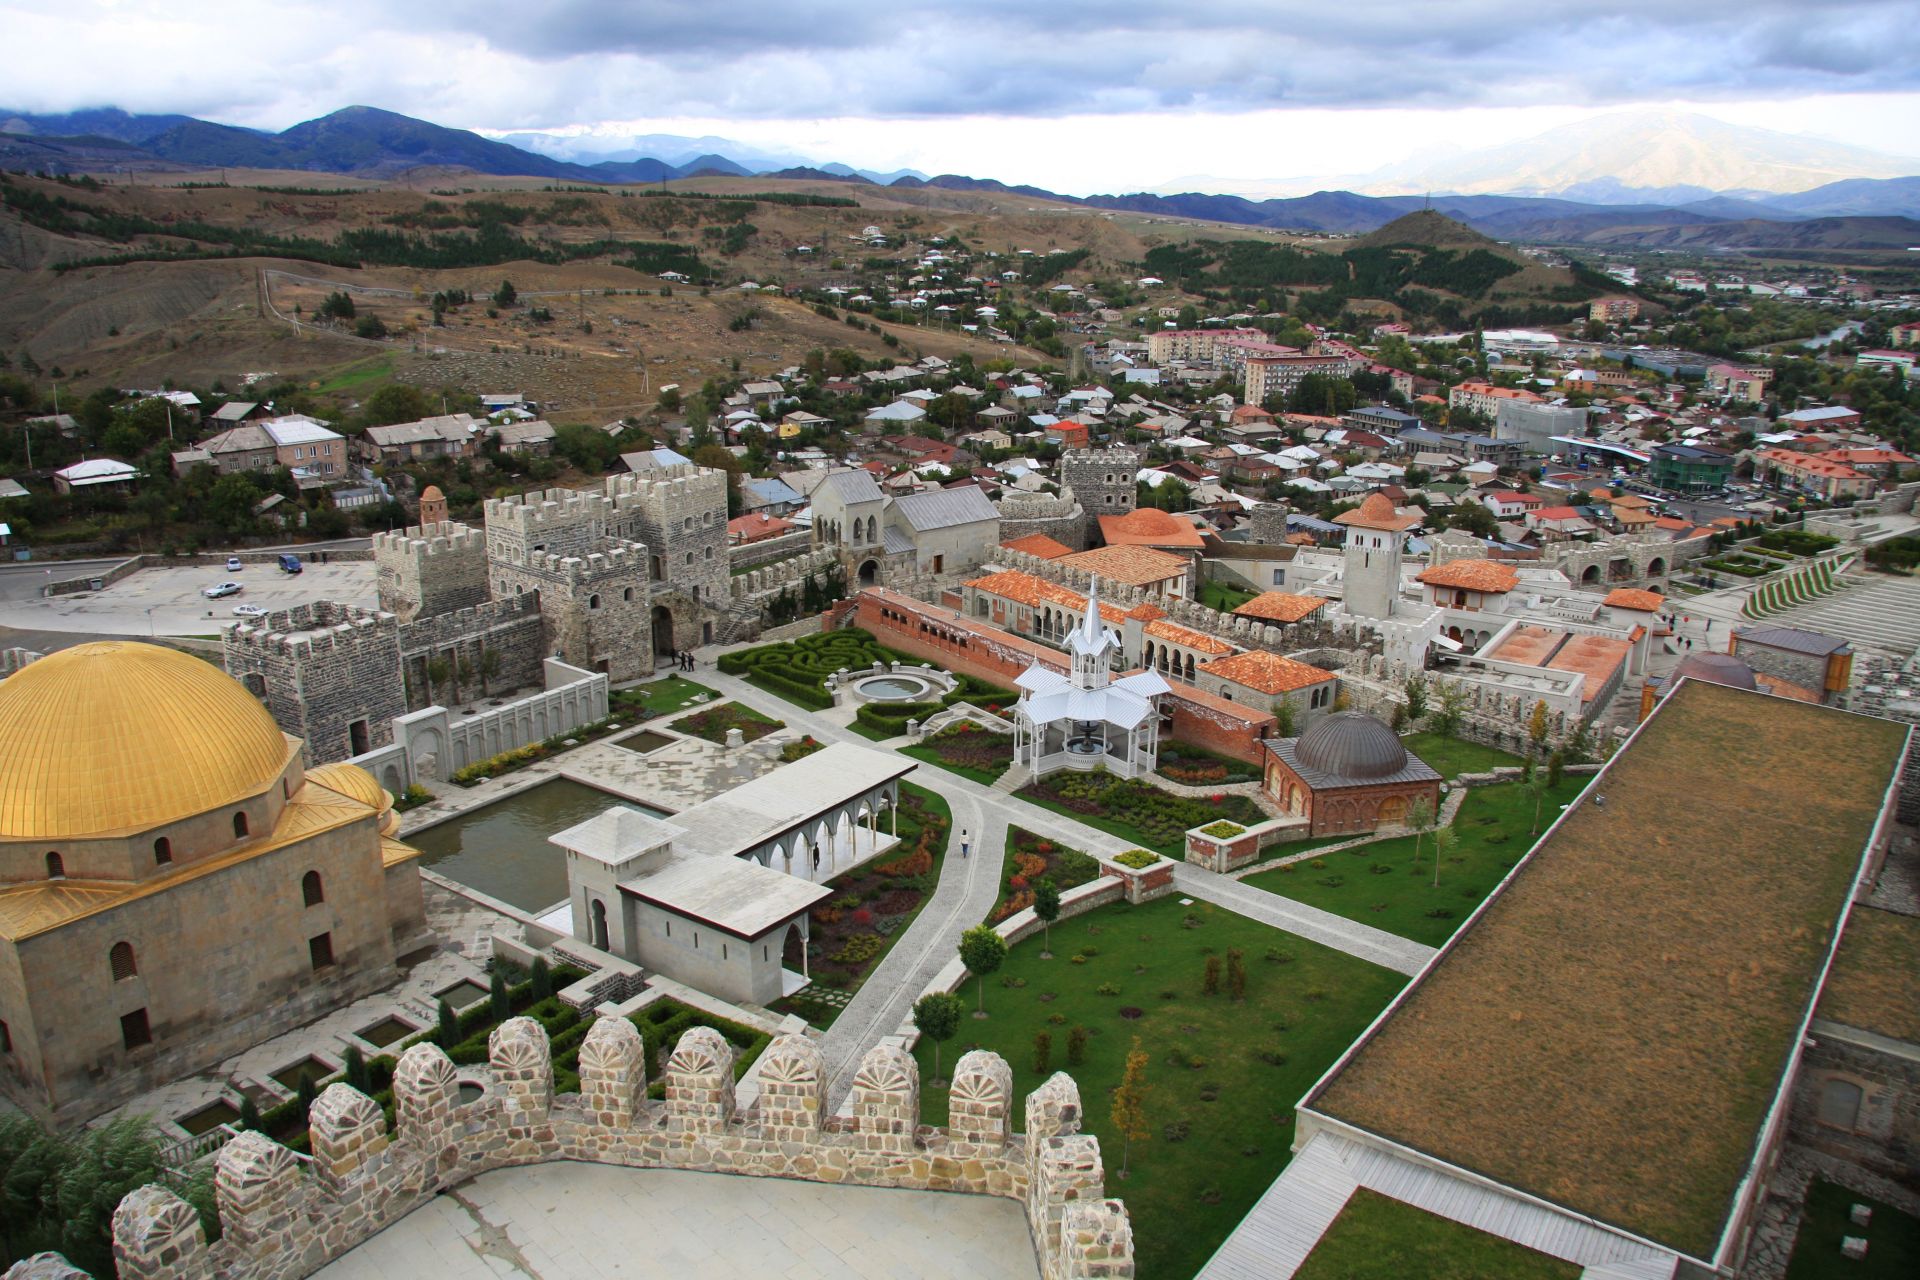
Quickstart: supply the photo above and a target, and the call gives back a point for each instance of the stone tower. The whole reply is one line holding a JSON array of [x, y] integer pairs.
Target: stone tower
[[595, 606], [1371, 577], [1103, 481], [1267, 524], [431, 569], [433, 505]]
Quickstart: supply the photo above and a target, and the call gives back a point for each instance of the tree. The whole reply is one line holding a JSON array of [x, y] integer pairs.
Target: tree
[[1046, 909], [1210, 977], [1416, 699], [249, 1113], [1042, 1052], [938, 1017], [1541, 784], [1076, 1046], [337, 306], [499, 999], [1443, 841], [1446, 717], [447, 1033], [1556, 766], [982, 950], [489, 667], [370, 327], [230, 503], [1420, 818], [1285, 718], [395, 402], [1537, 726], [354, 1070], [1236, 975], [1129, 1113], [439, 671], [506, 295], [542, 977]]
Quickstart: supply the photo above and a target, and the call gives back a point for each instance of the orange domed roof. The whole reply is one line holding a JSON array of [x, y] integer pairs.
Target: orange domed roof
[[116, 737], [432, 494]]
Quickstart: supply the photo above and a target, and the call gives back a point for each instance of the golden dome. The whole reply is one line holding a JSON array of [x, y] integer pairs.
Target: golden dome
[[353, 782], [115, 736]]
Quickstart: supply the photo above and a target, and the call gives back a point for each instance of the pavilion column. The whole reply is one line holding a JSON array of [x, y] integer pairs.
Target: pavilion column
[[893, 815]]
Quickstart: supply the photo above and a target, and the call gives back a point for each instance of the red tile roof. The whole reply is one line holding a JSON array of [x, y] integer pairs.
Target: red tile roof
[[1039, 544], [1377, 512], [1635, 598], [1174, 633], [1024, 588], [1472, 575], [1133, 566], [1280, 606], [1265, 672], [1149, 527]]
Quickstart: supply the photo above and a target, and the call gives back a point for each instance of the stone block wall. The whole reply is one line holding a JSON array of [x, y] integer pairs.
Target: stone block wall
[[1103, 482], [752, 555], [430, 569], [680, 513], [282, 1221], [510, 627], [1882, 1135], [323, 668]]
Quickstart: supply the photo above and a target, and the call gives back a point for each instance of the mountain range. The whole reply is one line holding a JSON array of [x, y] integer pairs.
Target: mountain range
[[1629, 179]]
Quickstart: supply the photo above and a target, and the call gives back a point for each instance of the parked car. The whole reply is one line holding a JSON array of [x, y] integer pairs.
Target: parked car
[[249, 611], [221, 589], [289, 563], [234, 565]]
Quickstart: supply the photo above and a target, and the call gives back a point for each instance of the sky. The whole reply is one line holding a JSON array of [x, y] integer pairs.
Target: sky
[[1075, 95]]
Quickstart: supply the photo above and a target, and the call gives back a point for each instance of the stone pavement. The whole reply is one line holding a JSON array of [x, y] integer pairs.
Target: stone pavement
[[968, 888], [168, 601], [570, 1221]]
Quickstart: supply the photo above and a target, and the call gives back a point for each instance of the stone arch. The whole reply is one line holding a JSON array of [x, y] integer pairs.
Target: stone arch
[[1590, 574], [390, 779], [1657, 567], [597, 923], [662, 631], [869, 572]]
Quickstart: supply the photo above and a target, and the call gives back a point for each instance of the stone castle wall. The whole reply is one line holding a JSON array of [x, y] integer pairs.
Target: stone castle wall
[[281, 1220], [322, 668], [680, 513], [509, 627], [430, 569], [1085, 472]]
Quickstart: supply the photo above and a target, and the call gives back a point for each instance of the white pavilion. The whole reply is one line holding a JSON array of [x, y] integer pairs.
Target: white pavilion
[[1088, 720]]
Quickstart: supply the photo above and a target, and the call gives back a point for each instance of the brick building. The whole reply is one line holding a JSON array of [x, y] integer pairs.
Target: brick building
[[1349, 773]]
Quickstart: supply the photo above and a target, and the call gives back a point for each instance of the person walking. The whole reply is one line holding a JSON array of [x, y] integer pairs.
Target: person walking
[[964, 842]]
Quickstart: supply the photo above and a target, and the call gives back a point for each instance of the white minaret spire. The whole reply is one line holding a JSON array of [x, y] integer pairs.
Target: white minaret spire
[[1089, 644]]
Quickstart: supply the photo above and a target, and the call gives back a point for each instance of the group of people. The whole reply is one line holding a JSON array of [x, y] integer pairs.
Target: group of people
[[683, 659], [1674, 623]]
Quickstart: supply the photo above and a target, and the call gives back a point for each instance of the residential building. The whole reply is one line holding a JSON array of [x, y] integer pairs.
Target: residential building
[[1814, 474], [1614, 310], [1269, 376], [1485, 399], [1689, 468], [1535, 424], [454, 435]]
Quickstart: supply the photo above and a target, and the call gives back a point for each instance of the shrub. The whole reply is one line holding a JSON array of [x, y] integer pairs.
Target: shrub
[[1138, 859], [1236, 976], [1223, 830], [1042, 1052], [1077, 1042], [1210, 980], [859, 949], [1107, 989]]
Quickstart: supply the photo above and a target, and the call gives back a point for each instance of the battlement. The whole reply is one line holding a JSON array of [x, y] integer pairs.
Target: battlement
[[619, 560], [459, 624], [309, 629], [447, 537], [282, 1220], [540, 510], [683, 481]]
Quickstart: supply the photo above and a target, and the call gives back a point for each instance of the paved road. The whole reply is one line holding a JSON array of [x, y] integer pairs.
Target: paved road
[[968, 888]]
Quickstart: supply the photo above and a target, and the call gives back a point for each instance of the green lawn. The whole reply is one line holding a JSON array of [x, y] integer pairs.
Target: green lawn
[[1137, 811], [1451, 756], [1378, 1238], [357, 375], [1221, 1114], [1381, 884], [1224, 596], [1893, 1239], [661, 697], [713, 722]]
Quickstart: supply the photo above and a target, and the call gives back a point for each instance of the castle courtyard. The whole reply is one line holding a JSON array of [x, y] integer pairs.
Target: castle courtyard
[[525, 1222]]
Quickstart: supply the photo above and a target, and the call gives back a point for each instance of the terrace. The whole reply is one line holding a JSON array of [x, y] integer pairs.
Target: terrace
[[1610, 1033]]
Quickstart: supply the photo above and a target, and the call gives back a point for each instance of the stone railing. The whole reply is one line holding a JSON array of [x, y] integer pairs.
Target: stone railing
[[281, 1220]]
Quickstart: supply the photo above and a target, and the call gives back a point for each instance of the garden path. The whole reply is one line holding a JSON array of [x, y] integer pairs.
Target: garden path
[[969, 887]]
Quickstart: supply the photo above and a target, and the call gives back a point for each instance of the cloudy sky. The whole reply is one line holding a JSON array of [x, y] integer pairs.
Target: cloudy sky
[[1072, 94]]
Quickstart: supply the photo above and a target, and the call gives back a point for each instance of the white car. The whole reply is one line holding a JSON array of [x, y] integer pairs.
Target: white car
[[220, 589], [234, 565], [249, 611]]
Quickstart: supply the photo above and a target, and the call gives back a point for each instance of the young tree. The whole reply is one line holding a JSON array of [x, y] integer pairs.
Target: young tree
[[355, 1070], [938, 1017], [1076, 1046], [506, 295], [1285, 718], [1537, 727], [1420, 818], [306, 1092], [982, 951], [1210, 978], [542, 975], [249, 1113], [489, 668], [447, 1032], [1541, 784], [1556, 767], [1416, 699], [1452, 709], [1042, 1052], [499, 998], [1046, 908], [1443, 841], [1236, 975], [1130, 1104], [439, 671]]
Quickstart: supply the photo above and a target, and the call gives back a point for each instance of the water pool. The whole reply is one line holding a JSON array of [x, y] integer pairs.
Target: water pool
[[893, 688], [502, 849]]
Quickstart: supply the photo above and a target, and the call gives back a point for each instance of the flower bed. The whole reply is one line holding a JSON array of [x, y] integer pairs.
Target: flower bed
[[1198, 768], [889, 719], [1138, 859], [967, 749], [1031, 859], [1137, 811], [872, 905], [800, 750], [713, 723], [1223, 830], [532, 753]]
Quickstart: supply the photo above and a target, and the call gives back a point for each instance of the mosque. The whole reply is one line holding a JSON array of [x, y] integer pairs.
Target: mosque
[[175, 884]]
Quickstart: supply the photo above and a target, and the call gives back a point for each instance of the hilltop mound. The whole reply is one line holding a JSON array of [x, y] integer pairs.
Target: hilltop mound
[[1431, 229]]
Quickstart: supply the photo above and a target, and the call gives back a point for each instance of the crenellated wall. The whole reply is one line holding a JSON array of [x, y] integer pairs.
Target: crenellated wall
[[282, 1220]]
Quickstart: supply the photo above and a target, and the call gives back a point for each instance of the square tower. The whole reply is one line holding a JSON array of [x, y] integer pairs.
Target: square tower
[[1371, 577], [1104, 481]]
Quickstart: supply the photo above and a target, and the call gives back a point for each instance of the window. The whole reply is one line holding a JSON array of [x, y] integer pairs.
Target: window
[[626, 593], [312, 892], [1840, 1104], [689, 557], [709, 553], [593, 601], [120, 960], [1279, 577], [359, 741], [134, 1031], [56, 867], [723, 951], [320, 951], [240, 826]]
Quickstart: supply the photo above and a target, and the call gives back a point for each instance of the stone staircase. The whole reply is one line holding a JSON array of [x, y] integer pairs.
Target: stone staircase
[[1016, 777]]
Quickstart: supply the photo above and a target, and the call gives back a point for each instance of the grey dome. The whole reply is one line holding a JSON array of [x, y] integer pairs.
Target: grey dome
[[1352, 744], [1714, 668]]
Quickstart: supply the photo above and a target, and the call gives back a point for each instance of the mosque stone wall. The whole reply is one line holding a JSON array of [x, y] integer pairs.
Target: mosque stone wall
[[282, 1219]]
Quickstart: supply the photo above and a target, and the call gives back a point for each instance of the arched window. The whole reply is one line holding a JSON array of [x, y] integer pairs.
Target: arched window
[[162, 851], [121, 961], [689, 557], [240, 825], [593, 601], [626, 593], [311, 890], [56, 867], [709, 553]]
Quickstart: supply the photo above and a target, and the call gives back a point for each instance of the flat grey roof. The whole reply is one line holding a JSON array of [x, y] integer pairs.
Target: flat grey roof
[[734, 894], [750, 815]]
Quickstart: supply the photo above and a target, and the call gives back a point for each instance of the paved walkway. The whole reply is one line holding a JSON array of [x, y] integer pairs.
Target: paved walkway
[[528, 1223], [968, 888]]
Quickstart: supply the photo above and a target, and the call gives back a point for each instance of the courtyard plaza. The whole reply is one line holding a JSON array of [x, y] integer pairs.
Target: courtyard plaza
[[168, 601], [648, 1222]]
